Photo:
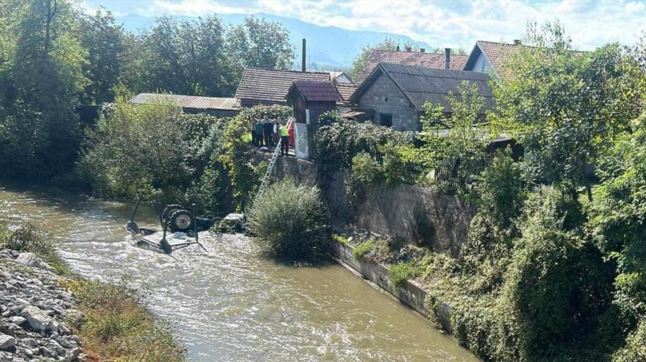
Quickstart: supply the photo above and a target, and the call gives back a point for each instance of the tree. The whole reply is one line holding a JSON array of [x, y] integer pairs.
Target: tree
[[361, 60], [259, 43], [184, 58], [43, 74], [565, 106], [103, 39]]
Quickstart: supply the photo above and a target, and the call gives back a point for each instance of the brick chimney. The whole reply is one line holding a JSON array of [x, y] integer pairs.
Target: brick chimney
[[409, 48], [447, 58]]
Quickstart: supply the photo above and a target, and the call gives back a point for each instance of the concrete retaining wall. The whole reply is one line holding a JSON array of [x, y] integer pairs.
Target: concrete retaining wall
[[409, 292]]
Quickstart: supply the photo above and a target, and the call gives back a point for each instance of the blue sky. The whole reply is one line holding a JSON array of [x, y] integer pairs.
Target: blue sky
[[454, 23]]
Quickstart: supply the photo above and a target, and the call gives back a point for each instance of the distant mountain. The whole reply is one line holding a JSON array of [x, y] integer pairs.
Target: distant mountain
[[328, 47]]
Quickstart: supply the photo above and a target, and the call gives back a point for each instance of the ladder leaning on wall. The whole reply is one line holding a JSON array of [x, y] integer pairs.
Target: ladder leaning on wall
[[270, 168]]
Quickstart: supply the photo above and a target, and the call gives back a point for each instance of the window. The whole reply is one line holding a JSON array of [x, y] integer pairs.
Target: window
[[386, 119]]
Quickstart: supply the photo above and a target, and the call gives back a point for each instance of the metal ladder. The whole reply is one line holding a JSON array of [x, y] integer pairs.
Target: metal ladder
[[270, 168]]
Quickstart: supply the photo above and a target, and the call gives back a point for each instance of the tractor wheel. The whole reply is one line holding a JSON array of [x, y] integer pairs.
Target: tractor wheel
[[169, 210], [181, 220]]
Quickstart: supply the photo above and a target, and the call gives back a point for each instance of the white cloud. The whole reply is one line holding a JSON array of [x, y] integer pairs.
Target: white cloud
[[442, 22]]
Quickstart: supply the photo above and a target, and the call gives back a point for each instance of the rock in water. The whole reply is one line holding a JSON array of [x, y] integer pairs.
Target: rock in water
[[7, 342], [37, 318], [32, 260]]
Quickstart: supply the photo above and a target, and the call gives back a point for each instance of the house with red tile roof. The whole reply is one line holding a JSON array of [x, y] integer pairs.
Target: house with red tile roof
[[491, 57], [420, 58]]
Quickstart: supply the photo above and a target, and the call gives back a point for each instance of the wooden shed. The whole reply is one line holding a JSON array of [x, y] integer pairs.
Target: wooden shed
[[311, 98]]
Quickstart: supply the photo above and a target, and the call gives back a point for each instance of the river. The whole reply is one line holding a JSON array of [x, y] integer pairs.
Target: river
[[232, 303]]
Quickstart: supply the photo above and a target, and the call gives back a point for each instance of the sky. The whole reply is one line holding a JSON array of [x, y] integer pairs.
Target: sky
[[447, 23]]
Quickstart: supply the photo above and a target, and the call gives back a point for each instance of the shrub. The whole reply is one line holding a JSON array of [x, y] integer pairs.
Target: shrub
[[154, 150], [116, 327], [28, 238], [289, 220], [244, 174], [401, 272], [635, 348], [363, 249]]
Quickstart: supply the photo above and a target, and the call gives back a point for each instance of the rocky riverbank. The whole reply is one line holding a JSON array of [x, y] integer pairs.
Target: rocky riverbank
[[36, 313]]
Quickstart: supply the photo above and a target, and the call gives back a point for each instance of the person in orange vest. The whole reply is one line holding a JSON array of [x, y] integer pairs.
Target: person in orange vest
[[284, 140]]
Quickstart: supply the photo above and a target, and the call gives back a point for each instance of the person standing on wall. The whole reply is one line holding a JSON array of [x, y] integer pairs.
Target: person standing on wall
[[258, 127], [254, 139], [268, 127], [275, 131], [284, 140]]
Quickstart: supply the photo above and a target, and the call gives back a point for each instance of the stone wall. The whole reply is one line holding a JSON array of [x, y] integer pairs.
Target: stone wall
[[416, 214], [410, 213], [383, 96]]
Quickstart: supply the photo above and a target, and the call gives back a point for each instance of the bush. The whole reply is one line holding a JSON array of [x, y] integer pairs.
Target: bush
[[363, 249], [116, 327], [289, 220], [238, 157], [154, 150], [401, 272], [28, 238], [635, 348]]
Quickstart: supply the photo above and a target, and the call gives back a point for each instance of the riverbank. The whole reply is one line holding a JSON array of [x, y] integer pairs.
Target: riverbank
[[47, 312]]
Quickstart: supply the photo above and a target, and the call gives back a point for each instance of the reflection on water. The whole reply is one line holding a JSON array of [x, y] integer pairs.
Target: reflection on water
[[231, 303]]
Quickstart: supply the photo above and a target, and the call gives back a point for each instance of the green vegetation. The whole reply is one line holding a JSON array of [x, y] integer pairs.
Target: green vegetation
[[401, 272], [145, 149], [28, 238], [240, 160], [56, 61], [289, 220], [362, 250], [116, 327]]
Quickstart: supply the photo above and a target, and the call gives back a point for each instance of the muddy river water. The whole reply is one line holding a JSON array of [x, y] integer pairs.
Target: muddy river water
[[231, 303]]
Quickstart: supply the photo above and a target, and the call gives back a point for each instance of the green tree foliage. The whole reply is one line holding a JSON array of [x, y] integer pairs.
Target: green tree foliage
[[188, 57], [618, 216], [290, 221], [565, 106], [104, 40], [239, 158], [455, 145], [42, 76], [146, 149], [557, 287], [260, 43]]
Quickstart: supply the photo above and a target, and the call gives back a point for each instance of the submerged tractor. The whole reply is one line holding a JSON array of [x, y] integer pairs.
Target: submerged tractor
[[182, 223]]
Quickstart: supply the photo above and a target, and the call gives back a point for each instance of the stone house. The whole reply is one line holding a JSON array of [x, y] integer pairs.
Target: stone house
[[395, 93]]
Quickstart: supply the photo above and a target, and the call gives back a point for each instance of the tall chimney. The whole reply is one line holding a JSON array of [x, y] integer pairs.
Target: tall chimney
[[447, 58], [304, 57]]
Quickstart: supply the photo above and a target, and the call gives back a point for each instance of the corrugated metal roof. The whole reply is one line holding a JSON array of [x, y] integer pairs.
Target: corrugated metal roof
[[272, 85], [194, 102], [426, 60], [315, 91], [421, 85]]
